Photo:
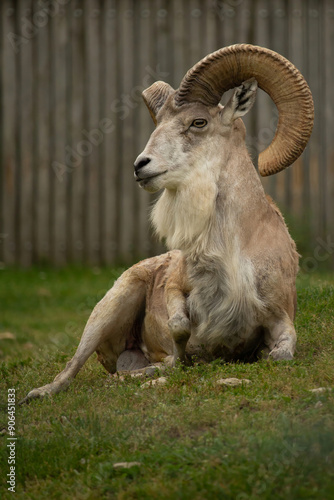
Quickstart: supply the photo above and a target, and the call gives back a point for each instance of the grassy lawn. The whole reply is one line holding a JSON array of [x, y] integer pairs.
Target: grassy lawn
[[192, 439]]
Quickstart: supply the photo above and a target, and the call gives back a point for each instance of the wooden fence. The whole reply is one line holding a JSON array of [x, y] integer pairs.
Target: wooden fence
[[73, 121]]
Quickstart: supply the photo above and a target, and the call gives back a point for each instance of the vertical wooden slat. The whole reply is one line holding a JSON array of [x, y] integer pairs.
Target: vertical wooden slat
[[91, 137], [328, 117], [59, 37], [322, 168], [126, 21], [9, 159], [243, 24], [179, 41], [220, 23], [196, 27], [110, 164], [25, 146], [229, 23], [2, 176], [68, 132], [314, 82], [2, 166], [42, 133], [74, 161], [117, 110], [187, 60], [163, 11], [17, 111], [209, 26], [306, 154], [101, 129]]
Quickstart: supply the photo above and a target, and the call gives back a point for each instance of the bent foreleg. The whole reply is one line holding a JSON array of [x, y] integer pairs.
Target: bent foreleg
[[178, 323]]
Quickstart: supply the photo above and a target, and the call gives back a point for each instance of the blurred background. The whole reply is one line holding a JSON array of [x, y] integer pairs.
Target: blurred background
[[72, 119]]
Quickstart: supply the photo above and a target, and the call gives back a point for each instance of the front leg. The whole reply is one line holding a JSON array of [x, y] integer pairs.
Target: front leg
[[281, 339], [106, 330], [178, 323]]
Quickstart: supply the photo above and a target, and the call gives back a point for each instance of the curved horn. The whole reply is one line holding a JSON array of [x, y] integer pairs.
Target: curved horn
[[229, 67]]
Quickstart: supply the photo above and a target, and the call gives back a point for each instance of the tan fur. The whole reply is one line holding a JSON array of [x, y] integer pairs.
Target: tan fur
[[229, 289]]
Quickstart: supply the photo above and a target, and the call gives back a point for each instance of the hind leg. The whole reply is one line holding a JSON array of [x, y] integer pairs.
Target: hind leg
[[106, 330]]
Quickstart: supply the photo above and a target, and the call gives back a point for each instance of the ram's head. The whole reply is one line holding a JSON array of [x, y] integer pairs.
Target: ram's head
[[191, 123]]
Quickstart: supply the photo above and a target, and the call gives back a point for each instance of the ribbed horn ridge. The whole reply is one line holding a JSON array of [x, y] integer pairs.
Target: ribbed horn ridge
[[226, 68]]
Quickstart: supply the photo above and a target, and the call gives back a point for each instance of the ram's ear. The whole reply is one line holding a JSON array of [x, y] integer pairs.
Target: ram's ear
[[241, 101], [155, 97]]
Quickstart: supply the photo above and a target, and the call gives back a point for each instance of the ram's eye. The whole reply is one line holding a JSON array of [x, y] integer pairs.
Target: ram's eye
[[199, 123]]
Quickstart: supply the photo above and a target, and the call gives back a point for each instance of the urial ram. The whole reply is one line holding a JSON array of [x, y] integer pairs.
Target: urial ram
[[226, 288]]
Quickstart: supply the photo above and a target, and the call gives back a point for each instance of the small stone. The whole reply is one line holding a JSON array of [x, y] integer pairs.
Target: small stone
[[320, 389], [126, 465], [157, 381], [7, 336], [318, 404], [233, 382]]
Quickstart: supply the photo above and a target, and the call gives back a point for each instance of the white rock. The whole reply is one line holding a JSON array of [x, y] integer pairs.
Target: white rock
[[125, 465], [233, 382], [157, 381], [320, 389]]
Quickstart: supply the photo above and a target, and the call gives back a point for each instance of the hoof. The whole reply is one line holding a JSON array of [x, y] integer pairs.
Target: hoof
[[37, 393], [281, 354]]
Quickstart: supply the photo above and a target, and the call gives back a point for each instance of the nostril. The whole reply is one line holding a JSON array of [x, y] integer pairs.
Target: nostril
[[141, 162]]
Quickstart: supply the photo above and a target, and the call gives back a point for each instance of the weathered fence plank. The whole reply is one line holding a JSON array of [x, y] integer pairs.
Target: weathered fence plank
[[110, 164], [10, 49], [40, 126], [59, 82], [314, 79], [73, 161], [328, 118], [25, 115]]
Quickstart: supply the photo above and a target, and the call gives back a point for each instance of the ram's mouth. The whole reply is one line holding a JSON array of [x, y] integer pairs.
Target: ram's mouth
[[148, 178]]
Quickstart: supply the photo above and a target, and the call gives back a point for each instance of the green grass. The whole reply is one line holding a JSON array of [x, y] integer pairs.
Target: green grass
[[272, 439]]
